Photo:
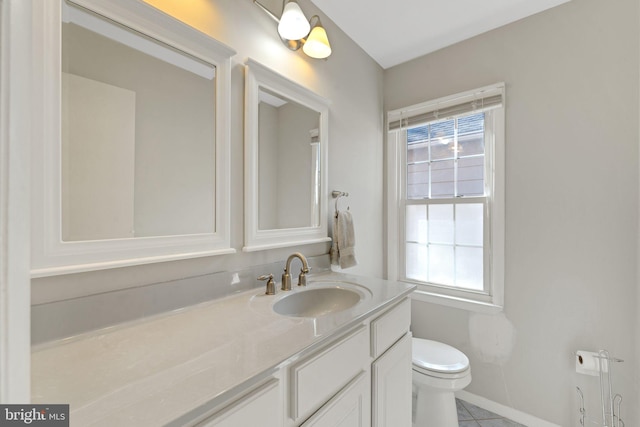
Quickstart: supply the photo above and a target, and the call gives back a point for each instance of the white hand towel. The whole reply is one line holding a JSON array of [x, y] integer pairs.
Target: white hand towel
[[344, 240]]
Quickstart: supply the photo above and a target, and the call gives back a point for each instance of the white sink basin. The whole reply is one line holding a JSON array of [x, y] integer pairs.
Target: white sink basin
[[330, 298]]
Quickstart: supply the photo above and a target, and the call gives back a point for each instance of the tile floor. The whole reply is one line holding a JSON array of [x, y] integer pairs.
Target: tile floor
[[472, 416]]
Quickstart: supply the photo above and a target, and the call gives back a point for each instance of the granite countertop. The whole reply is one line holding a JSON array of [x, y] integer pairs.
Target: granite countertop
[[155, 370]]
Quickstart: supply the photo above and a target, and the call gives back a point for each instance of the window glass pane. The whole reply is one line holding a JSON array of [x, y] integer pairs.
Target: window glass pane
[[442, 149], [471, 176], [417, 152], [441, 265], [469, 224], [471, 145], [416, 229], [442, 129], [442, 140], [442, 179], [469, 273], [418, 134], [441, 224], [418, 181], [416, 262], [471, 135]]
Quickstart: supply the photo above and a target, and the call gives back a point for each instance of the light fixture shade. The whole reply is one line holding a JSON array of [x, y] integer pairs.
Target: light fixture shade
[[293, 24], [317, 44]]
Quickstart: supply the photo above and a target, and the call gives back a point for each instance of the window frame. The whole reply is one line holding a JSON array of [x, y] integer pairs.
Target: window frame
[[491, 299]]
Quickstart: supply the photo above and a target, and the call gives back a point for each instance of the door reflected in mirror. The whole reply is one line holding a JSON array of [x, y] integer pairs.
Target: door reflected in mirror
[[289, 163], [138, 135]]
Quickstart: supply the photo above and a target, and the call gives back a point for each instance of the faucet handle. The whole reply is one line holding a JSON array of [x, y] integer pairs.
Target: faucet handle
[[286, 281], [302, 278], [271, 285]]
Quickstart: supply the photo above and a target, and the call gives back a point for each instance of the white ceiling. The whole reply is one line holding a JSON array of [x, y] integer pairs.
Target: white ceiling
[[396, 31]]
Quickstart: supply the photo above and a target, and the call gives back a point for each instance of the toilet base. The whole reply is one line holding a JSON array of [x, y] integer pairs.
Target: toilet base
[[435, 408]]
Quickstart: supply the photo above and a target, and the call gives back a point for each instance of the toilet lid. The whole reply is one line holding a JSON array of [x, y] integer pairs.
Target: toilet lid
[[438, 357]]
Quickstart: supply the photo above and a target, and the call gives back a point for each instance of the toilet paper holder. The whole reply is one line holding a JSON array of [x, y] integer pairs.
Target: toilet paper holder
[[611, 404]]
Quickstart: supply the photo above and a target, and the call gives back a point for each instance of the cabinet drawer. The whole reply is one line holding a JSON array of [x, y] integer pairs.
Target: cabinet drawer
[[316, 379], [260, 407], [389, 327]]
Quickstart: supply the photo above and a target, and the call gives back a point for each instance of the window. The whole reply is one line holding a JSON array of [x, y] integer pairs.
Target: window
[[446, 198]]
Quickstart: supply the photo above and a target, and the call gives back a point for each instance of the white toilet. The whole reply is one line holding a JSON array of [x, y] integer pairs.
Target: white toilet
[[439, 370]]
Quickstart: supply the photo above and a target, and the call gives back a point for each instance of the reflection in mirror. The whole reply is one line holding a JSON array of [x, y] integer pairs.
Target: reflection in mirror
[[138, 134], [286, 129], [289, 163]]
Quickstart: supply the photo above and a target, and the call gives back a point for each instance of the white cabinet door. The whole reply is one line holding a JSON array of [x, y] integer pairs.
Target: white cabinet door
[[262, 407], [391, 386], [349, 408]]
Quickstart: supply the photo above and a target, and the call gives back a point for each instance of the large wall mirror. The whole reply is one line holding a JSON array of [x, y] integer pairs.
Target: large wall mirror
[[133, 166], [285, 161]]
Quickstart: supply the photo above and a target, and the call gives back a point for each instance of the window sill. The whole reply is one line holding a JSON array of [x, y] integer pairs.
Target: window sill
[[456, 302]]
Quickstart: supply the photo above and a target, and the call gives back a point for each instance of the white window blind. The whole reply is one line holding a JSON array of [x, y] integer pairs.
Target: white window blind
[[479, 101]]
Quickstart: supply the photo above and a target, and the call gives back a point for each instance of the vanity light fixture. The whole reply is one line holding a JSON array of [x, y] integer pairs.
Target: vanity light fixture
[[293, 24], [317, 43], [296, 32]]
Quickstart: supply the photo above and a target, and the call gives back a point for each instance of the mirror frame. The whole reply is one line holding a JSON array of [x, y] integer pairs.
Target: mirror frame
[[258, 76], [49, 254]]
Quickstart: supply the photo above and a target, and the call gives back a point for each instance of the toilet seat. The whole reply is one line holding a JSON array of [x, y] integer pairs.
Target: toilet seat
[[438, 360], [440, 375]]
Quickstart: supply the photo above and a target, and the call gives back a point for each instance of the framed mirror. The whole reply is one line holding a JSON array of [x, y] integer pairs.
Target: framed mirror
[[132, 164], [286, 128]]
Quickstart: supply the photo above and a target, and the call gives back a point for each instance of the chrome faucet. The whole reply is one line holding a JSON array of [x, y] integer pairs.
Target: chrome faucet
[[302, 278]]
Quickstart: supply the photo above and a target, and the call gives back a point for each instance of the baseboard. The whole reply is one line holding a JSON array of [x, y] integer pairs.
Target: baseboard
[[504, 411]]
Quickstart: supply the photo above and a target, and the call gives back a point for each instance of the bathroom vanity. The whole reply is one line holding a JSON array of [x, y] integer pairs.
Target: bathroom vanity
[[341, 356], [235, 361]]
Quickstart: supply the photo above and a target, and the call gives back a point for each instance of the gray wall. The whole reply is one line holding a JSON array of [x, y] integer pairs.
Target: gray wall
[[572, 80]]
